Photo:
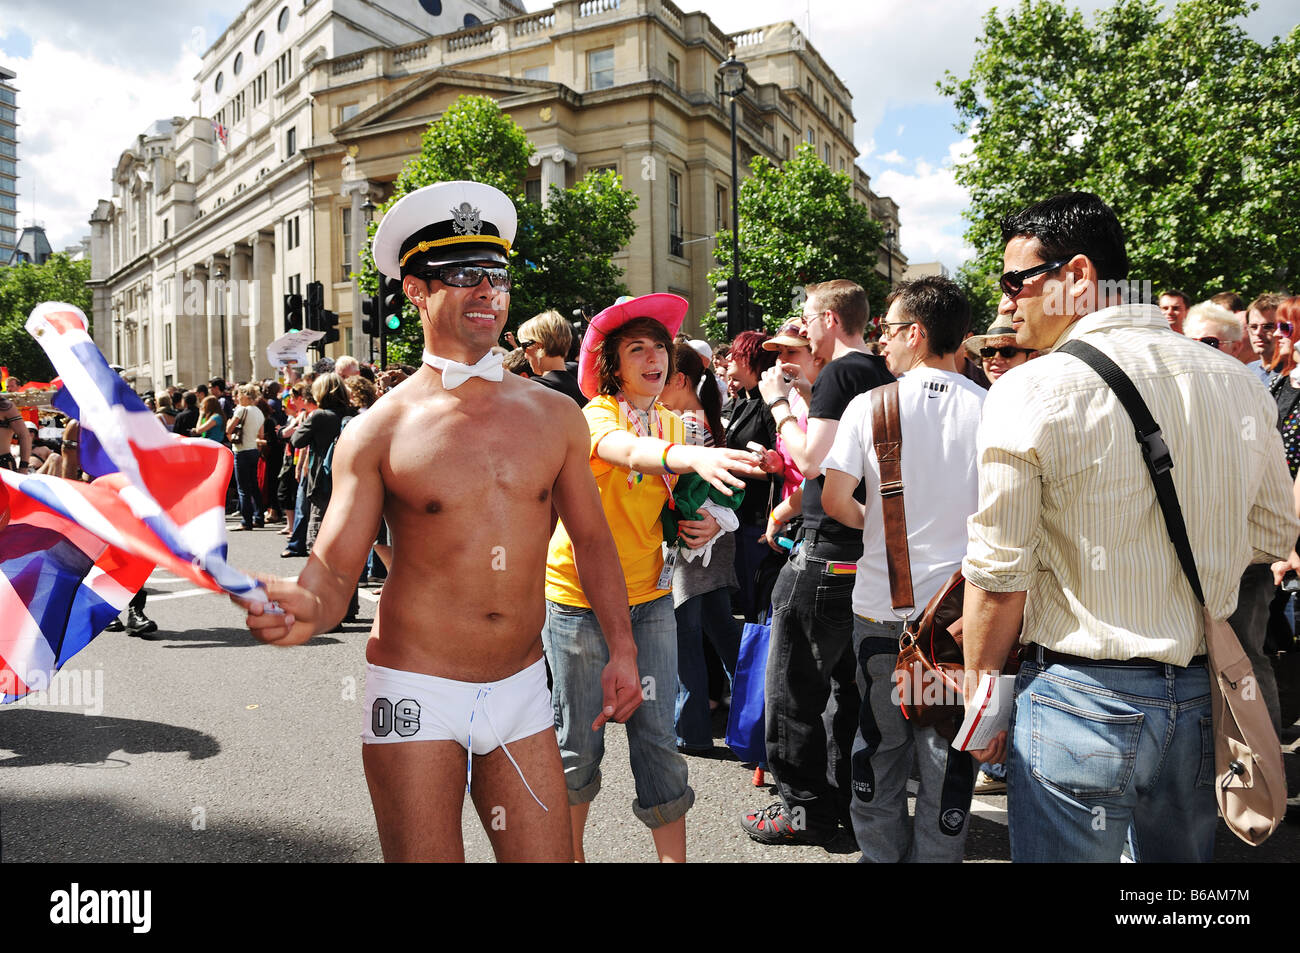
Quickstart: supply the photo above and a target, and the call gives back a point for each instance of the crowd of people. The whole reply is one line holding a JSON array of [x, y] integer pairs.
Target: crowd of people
[[672, 489]]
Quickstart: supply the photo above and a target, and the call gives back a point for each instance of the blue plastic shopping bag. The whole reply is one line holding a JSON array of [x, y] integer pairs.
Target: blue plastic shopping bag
[[745, 734]]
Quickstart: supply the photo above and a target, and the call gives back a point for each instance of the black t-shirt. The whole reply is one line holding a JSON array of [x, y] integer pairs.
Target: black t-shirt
[[565, 382], [186, 420], [839, 382]]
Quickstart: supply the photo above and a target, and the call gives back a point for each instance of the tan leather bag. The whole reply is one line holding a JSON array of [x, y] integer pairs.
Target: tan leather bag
[[1250, 779]]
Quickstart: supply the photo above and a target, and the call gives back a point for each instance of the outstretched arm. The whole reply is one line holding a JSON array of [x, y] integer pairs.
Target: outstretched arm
[[717, 465], [317, 599]]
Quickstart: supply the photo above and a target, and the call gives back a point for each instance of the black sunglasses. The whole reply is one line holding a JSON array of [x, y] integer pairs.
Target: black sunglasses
[[1006, 353], [1013, 282], [1286, 327], [469, 276], [1210, 340], [525, 345]]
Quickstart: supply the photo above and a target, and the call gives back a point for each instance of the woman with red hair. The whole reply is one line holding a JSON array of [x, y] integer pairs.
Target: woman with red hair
[[1286, 388]]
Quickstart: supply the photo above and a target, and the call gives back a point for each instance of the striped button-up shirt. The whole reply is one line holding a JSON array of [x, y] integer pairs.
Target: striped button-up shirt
[[1068, 513]]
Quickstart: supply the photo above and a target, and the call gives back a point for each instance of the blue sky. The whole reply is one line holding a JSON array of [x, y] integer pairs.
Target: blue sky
[[91, 76]]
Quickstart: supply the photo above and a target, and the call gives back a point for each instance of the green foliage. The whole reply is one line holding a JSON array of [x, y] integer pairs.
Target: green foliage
[[799, 225], [562, 254], [1184, 125], [22, 288]]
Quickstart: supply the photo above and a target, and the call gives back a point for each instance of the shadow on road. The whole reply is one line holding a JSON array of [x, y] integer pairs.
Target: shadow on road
[[224, 639], [105, 830], [39, 736]]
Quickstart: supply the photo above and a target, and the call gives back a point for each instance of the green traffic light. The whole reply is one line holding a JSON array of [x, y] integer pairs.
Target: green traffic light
[[393, 322]]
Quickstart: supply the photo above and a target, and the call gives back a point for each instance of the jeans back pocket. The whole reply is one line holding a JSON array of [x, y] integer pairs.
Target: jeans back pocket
[[1083, 753]]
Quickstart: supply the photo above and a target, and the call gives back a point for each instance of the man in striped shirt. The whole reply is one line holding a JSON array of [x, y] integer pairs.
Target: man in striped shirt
[[1111, 736]]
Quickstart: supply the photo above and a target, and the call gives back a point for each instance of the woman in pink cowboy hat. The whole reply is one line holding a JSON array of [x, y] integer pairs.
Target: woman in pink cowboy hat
[[637, 450]]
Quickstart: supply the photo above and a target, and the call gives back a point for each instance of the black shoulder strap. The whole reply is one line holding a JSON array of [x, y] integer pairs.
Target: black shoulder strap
[[1154, 452]]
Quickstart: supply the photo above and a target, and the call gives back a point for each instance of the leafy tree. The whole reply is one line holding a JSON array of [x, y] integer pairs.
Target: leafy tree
[[799, 225], [1182, 123], [562, 254], [22, 288]]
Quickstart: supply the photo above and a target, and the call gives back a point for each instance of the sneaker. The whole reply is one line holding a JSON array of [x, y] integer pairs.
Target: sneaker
[[774, 825], [987, 784]]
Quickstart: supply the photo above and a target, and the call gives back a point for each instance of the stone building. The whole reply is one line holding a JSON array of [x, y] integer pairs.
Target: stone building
[[214, 219], [8, 165]]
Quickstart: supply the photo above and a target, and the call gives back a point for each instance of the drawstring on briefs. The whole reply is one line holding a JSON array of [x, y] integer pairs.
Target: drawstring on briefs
[[480, 704]]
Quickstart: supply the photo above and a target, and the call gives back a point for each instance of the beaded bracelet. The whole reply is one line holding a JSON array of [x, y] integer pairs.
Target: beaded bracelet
[[784, 420], [667, 468]]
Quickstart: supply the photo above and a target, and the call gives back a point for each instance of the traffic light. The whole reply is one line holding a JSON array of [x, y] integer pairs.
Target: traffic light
[[391, 300], [292, 312], [328, 321], [723, 304], [753, 310], [370, 322], [315, 305]]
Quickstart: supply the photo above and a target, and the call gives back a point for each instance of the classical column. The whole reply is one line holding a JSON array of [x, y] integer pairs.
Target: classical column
[[218, 316], [553, 160], [238, 298], [192, 327], [264, 325]]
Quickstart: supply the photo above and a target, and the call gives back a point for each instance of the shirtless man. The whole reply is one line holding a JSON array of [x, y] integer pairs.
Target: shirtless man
[[466, 471]]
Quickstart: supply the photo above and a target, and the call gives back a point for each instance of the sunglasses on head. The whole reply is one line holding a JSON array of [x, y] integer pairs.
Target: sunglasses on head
[[1006, 353], [468, 276], [1013, 282]]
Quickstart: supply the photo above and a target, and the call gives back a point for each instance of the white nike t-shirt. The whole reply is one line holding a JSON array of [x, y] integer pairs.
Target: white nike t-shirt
[[940, 416]]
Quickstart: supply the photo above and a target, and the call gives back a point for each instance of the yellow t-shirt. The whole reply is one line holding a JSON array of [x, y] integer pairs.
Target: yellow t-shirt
[[631, 511]]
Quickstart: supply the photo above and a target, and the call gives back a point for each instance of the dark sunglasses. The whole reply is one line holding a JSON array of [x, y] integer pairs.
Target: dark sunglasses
[[1286, 327], [1006, 353], [1013, 282], [1212, 341], [525, 345], [469, 276]]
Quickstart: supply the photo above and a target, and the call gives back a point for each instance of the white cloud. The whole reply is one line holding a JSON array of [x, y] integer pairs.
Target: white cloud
[[892, 157], [76, 115], [930, 203]]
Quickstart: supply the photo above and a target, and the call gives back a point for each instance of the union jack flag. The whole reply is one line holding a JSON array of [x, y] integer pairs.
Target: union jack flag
[[73, 553], [220, 130]]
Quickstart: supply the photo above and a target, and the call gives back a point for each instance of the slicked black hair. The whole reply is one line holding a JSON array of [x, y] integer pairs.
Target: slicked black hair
[[1073, 223]]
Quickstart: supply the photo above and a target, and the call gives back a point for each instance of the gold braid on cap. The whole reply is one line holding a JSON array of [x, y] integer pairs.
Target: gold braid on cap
[[454, 240]]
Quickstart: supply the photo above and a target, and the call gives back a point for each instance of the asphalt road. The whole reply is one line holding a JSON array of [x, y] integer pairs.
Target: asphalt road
[[206, 746]]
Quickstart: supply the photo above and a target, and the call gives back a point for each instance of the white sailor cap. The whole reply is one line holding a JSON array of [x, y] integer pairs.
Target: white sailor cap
[[443, 224]]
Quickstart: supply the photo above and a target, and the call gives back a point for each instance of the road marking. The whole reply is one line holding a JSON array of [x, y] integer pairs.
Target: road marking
[[183, 595]]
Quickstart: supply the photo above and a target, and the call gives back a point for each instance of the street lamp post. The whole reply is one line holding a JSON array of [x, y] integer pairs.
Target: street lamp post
[[732, 72], [368, 207], [889, 253]]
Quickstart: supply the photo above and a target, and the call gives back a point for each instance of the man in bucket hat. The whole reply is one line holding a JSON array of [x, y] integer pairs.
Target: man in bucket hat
[[455, 656]]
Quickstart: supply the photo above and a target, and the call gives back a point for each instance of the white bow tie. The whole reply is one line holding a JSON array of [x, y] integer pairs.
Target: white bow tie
[[454, 373]]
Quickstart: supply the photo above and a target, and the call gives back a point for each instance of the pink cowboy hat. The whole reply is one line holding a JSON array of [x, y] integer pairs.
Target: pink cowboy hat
[[668, 309]]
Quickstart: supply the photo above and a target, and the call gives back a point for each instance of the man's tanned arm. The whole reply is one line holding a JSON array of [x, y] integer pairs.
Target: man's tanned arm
[[319, 597], [577, 501]]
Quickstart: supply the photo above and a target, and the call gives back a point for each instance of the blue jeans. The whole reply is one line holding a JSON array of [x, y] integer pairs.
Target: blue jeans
[[297, 543], [706, 614], [250, 497], [1097, 750], [576, 651]]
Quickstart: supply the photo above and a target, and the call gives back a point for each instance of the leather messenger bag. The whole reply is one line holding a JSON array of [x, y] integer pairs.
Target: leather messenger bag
[[929, 671]]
